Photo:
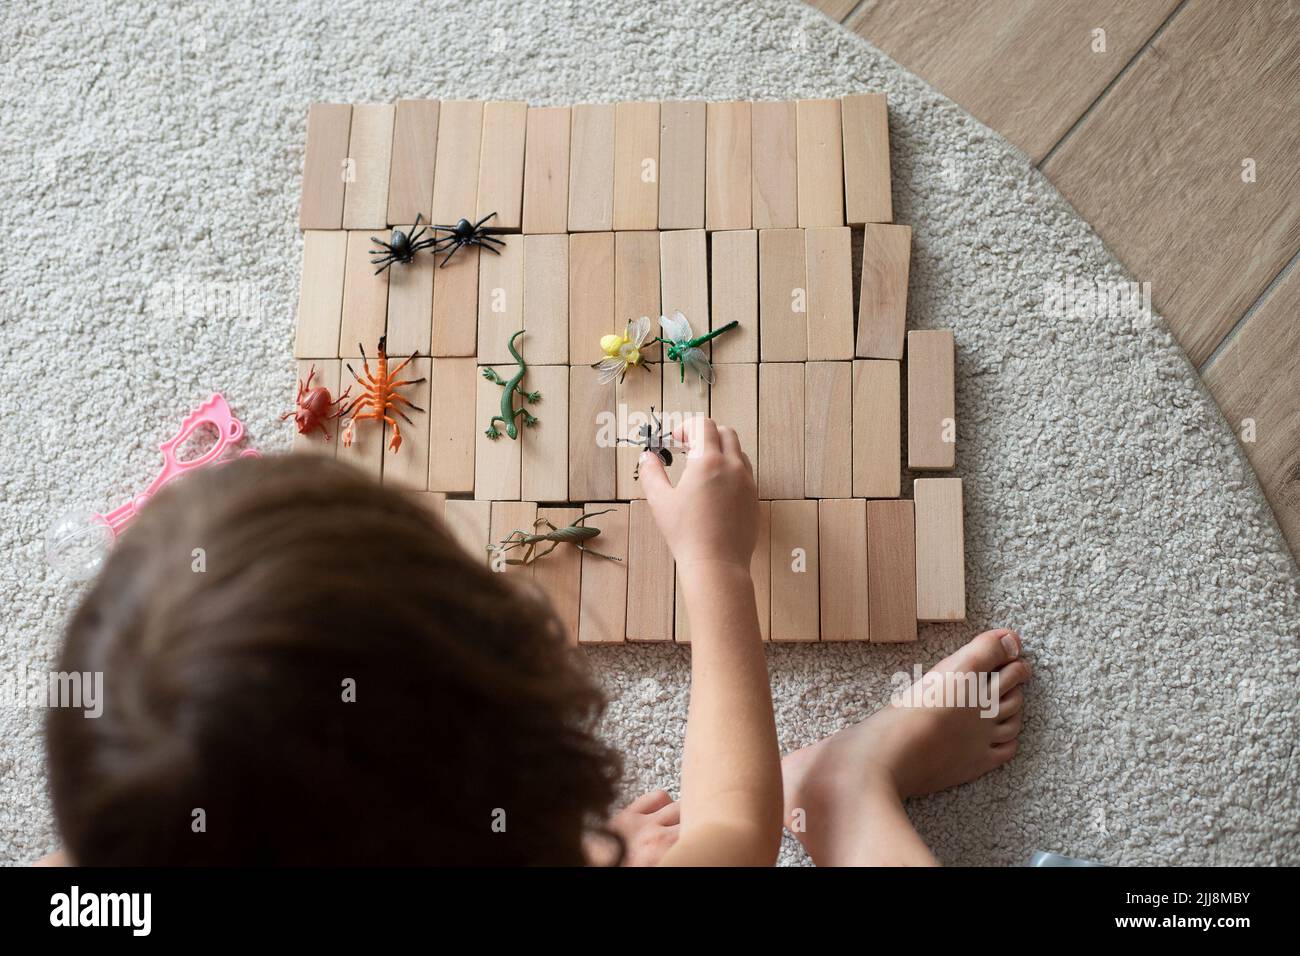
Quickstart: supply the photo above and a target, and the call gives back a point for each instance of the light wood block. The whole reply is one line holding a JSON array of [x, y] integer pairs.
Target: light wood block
[[408, 467], [455, 174], [546, 299], [782, 295], [867, 193], [730, 179], [508, 516], [326, 374], [455, 305], [842, 561], [544, 461], [453, 424], [320, 293], [931, 405], [604, 582], [559, 575], [434, 501], [365, 299], [410, 302], [501, 165], [891, 571], [591, 294], [828, 430], [940, 550], [649, 578], [636, 166], [685, 397], [329, 127], [500, 300], [733, 401], [470, 523], [370, 151], [415, 149], [882, 308], [760, 569], [877, 429], [640, 389], [821, 163], [829, 254], [367, 449], [681, 164], [591, 436], [496, 460], [780, 430], [795, 590], [773, 125], [591, 168], [735, 295], [684, 278], [546, 170], [636, 278]]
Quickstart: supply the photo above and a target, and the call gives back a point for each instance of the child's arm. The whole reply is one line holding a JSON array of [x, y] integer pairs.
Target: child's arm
[[731, 771]]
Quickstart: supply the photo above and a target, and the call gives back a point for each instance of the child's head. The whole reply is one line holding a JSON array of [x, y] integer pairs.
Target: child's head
[[331, 679]]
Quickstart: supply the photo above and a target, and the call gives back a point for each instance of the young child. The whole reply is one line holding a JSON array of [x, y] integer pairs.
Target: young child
[[341, 683]]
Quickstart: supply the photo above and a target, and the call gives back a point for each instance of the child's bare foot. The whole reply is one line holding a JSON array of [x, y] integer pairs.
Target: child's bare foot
[[843, 794]]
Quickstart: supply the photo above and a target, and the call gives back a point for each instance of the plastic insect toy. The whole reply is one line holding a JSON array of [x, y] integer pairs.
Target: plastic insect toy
[[465, 233], [379, 396], [313, 406], [401, 247], [623, 352], [650, 437], [683, 345], [508, 411], [576, 534]]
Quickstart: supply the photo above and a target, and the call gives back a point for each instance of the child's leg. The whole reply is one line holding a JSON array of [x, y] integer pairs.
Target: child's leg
[[844, 795]]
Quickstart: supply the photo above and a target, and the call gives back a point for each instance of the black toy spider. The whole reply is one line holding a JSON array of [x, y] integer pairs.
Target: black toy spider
[[464, 233], [650, 437], [402, 248]]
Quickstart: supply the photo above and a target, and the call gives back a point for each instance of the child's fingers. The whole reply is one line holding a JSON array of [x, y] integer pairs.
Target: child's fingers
[[669, 815], [654, 480], [699, 434], [651, 802], [729, 441]]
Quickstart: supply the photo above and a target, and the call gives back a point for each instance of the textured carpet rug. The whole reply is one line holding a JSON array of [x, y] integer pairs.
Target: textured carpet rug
[[151, 164]]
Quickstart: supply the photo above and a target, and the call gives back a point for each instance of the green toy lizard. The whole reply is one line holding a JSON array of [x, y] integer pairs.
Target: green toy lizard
[[508, 410]]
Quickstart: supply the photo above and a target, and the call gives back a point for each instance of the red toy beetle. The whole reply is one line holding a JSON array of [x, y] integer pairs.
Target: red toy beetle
[[314, 406]]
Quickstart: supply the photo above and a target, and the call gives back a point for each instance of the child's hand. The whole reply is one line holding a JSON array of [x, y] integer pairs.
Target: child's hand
[[712, 514], [648, 826]]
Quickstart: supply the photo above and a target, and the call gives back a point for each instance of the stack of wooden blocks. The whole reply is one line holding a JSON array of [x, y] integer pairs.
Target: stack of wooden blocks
[[725, 211]]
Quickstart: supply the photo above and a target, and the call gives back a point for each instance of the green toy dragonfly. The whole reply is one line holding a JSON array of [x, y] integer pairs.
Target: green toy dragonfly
[[683, 346]]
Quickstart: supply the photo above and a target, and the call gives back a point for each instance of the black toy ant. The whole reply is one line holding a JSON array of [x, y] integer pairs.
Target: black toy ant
[[650, 437]]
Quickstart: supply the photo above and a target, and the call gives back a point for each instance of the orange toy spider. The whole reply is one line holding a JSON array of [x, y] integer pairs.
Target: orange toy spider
[[379, 395]]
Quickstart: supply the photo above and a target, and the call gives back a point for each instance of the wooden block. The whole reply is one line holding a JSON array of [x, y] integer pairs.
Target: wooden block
[[500, 299], [455, 174], [508, 516], [329, 126], [782, 295], [636, 166], [842, 562], [636, 278], [546, 299], [559, 575], [453, 424], [365, 300], [320, 293], [316, 372], [604, 582], [649, 578], [795, 591], [780, 430], [773, 139], [830, 293], [591, 436], [410, 303], [760, 569], [681, 164], [882, 309], [591, 168], [729, 177], [455, 305], [496, 460], [733, 401], [370, 154], [828, 430], [940, 550], [546, 170], [501, 165], [877, 429], [685, 397], [931, 414], [415, 148], [544, 457], [470, 523], [865, 122], [684, 278], [367, 449], [591, 294], [408, 467], [821, 163], [640, 389], [891, 571], [735, 295]]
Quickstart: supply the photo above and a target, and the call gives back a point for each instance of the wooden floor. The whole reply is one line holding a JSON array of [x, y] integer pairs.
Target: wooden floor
[[1171, 126]]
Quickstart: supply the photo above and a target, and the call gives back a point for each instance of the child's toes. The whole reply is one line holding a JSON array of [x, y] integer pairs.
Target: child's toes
[[1004, 751], [1012, 676], [1011, 703], [1007, 730], [984, 653]]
